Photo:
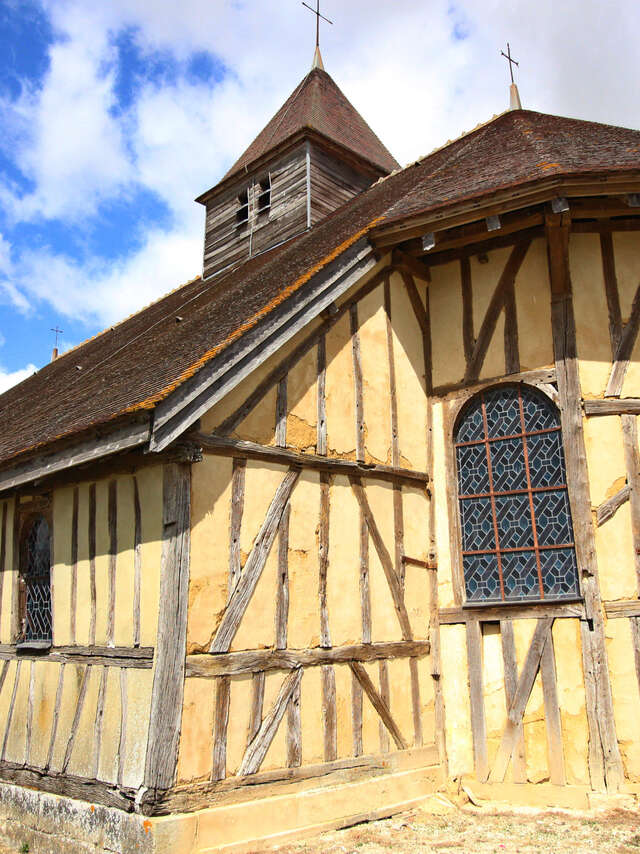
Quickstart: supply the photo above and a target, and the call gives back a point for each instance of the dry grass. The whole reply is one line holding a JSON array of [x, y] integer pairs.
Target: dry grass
[[483, 831]]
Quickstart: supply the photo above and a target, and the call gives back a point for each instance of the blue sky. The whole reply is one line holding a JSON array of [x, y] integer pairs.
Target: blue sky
[[115, 116]]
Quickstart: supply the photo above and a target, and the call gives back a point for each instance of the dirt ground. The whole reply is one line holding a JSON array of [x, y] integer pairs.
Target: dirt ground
[[484, 831]]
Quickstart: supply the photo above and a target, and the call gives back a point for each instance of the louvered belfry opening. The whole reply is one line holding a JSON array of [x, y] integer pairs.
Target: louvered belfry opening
[[517, 534]]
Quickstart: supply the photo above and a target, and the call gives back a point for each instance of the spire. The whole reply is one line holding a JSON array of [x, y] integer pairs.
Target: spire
[[514, 95], [317, 59]]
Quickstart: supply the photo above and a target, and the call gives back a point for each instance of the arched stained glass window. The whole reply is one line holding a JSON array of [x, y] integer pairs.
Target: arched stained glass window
[[517, 536], [35, 580]]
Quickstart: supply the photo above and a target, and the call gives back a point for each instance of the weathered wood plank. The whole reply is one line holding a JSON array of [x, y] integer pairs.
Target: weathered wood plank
[[496, 305], [321, 391], [256, 561], [329, 713], [56, 713], [393, 396], [552, 713], [476, 697], [99, 720], [611, 291], [30, 701], [385, 559], [74, 564], [168, 681], [111, 656], [416, 705], [410, 264], [416, 302], [624, 608], [124, 716], [323, 558], [357, 382], [282, 600], [632, 463], [515, 714], [625, 406], [603, 744], [468, 340], [3, 549], [635, 640], [385, 694], [257, 703], [281, 413], [624, 349], [86, 674], [137, 561], [356, 715], [283, 456], [262, 660], [365, 592], [92, 563], [453, 510], [220, 724], [465, 389], [294, 731], [511, 337], [378, 703], [510, 664], [608, 509], [113, 557], [257, 750], [238, 476], [12, 703]]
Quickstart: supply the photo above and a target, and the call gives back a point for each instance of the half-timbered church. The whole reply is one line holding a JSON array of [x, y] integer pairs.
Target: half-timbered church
[[353, 514]]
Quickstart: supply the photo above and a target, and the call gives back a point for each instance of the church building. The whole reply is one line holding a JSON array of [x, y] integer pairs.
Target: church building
[[352, 515]]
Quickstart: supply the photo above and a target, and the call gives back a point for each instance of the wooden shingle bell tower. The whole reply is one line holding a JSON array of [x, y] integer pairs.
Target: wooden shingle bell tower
[[316, 153]]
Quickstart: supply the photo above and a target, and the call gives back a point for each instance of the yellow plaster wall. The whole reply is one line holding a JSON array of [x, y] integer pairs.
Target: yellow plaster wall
[[340, 395], [302, 404], [484, 278], [16, 741], [110, 742], [534, 309], [81, 762], [445, 301], [627, 259], [83, 613], [439, 497], [626, 701], [8, 576], [456, 699], [571, 699], [196, 734], [239, 717], [343, 574], [45, 686], [304, 605], [493, 680], [590, 308], [372, 319], [61, 569]]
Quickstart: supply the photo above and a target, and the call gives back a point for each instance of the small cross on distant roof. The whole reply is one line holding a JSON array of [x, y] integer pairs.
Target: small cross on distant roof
[[57, 332], [318, 15], [511, 61]]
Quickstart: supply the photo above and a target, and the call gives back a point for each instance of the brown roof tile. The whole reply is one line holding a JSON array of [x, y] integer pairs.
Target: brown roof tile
[[318, 104], [138, 362]]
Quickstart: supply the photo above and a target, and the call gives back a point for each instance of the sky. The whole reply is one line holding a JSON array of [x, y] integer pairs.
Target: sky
[[115, 116]]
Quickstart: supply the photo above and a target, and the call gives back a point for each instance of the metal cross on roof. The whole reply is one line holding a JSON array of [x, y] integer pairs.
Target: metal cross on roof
[[318, 15], [511, 62], [58, 332]]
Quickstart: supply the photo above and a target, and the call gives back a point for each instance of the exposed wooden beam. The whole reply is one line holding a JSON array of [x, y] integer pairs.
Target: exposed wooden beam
[[612, 406], [250, 450], [409, 264]]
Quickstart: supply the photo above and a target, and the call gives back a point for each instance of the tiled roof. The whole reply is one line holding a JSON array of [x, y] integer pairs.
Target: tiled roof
[[318, 104], [137, 363]]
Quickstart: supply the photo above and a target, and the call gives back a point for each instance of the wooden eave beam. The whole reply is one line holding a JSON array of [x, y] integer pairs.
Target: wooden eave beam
[[503, 202], [407, 263]]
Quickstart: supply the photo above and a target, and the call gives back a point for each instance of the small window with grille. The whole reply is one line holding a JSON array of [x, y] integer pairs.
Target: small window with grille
[[264, 196], [35, 581], [242, 213], [517, 534]]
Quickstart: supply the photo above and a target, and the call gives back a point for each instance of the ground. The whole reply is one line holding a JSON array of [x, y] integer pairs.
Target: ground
[[471, 831]]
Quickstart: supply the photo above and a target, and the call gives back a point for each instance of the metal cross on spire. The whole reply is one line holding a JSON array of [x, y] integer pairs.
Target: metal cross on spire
[[511, 61], [318, 15], [57, 331]]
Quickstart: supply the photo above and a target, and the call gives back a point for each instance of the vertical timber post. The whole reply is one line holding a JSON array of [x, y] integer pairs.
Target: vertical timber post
[[605, 765], [168, 681]]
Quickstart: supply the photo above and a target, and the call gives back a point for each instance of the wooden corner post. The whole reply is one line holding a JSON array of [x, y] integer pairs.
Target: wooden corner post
[[605, 765], [168, 681]]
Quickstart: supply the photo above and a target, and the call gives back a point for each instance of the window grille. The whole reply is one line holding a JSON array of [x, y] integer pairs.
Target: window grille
[[264, 196], [517, 535], [36, 581]]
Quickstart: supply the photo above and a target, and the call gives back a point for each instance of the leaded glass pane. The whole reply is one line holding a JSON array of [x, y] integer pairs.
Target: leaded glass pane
[[507, 464], [503, 412], [477, 525], [559, 572], [481, 577], [553, 518], [473, 468], [525, 470], [520, 570], [515, 530], [37, 582]]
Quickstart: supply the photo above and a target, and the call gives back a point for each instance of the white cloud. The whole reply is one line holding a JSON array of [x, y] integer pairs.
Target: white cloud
[[11, 378]]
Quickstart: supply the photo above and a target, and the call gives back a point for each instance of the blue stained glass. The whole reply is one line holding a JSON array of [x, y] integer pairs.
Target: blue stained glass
[[477, 525], [503, 412], [520, 571], [515, 530], [507, 465], [473, 468]]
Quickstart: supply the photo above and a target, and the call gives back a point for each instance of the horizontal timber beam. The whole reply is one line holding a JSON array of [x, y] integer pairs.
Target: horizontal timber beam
[[258, 661], [506, 611], [224, 446], [544, 376], [612, 406], [109, 656], [625, 608]]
